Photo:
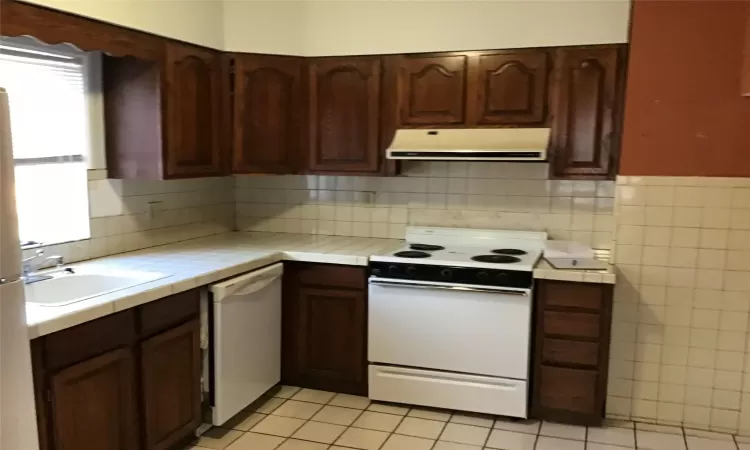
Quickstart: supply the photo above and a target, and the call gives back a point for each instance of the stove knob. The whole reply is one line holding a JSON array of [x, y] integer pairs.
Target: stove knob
[[483, 276], [502, 276], [376, 272], [393, 269], [411, 271], [446, 273]]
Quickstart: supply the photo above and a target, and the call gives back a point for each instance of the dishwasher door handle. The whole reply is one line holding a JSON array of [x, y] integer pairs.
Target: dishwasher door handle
[[257, 285], [247, 283]]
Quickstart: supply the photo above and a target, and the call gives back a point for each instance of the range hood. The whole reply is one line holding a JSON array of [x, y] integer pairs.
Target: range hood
[[471, 144]]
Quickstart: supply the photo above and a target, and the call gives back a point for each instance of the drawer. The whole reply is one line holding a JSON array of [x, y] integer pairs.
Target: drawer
[[568, 389], [170, 311], [583, 325], [90, 339], [482, 394], [573, 295], [558, 351], [330, 275]]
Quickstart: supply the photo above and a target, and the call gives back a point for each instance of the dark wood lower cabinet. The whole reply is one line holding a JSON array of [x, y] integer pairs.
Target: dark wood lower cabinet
[[128, 381], [93, 404], [325, 327], [331, 337], [170, 377], [571, 351]]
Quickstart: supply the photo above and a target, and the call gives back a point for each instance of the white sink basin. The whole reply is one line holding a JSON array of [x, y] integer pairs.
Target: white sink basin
[[66, 288]]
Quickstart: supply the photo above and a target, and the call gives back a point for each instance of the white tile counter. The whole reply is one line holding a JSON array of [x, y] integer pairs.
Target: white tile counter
[[203, 261], [199, 262], [545, 271]]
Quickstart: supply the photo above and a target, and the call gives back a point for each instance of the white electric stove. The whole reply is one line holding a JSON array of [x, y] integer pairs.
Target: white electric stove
[[450, 319]]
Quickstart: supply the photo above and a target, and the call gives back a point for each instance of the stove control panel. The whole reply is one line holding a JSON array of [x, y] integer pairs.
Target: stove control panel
[[452, 274]]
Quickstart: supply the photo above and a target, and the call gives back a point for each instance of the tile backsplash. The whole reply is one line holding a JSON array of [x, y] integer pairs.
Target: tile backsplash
[[679, 347], [131, 215], [449, 194]]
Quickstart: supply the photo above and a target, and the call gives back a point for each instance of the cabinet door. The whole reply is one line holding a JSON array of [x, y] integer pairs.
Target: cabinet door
[[170, 376], [93, 404], [267, 107], [508, 88], [432, 90], [331, 339], [584, 141], [194, 101], [344, 114]]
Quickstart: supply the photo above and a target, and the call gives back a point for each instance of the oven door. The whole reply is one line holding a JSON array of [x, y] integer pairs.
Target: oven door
[[482, 330]]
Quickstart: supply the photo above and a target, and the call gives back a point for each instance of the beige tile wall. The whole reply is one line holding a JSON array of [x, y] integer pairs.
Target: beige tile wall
[[121, 222], [455, 194], [680, 326]]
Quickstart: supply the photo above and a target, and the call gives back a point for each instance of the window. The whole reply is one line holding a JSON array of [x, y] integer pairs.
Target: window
[[50, 136]]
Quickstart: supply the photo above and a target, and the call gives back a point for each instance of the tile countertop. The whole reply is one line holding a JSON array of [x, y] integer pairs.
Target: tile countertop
[[203, 261], [544, 271]]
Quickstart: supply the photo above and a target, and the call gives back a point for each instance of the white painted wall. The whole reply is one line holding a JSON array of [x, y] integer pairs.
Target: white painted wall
[[196, 21], [263, 26], [346, 27]]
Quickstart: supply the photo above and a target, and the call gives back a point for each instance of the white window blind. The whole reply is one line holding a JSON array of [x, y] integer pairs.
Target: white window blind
[[49, 125]]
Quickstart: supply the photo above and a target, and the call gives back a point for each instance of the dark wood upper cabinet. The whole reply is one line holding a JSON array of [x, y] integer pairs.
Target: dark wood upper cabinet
[[267, 109], [432, 90], [170, 379], [344, 114], [93, 404], [508, 88], [586, 127], [166, 119], [194, 111]]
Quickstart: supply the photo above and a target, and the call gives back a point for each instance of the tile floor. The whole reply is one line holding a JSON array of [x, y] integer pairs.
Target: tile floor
[[291, 418]]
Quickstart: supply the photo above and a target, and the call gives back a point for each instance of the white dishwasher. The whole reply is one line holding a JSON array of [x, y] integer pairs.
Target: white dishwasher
[[245, 334]]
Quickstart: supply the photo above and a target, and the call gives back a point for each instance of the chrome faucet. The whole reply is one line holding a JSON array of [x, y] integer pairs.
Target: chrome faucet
[[30, 266]]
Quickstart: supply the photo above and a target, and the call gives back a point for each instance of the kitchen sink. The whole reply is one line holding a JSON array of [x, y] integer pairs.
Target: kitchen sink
[[73, 285]]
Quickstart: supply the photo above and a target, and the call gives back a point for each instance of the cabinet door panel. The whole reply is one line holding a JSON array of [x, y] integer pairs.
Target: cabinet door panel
[[194, 111], [584, 140], [170, 376], [432, 90], [571, 390], [93, 404], [344, 114], [267, 107], [332, 332], [511, 88]]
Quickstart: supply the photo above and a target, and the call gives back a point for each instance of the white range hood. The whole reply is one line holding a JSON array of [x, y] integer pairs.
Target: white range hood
[[471, 144]]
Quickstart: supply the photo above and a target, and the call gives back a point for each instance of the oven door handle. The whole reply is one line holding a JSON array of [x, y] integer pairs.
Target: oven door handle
[[385, 283]]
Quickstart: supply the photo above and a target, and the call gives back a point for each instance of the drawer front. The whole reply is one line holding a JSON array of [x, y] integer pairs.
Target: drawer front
[[90, 339], [170, 311], [573, 295], [331, 275], [558, 351], [489, 395], [582, 325], [568, 389]]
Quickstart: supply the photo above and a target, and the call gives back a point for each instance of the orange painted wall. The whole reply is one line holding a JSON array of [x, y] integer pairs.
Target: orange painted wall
[[684, 115]]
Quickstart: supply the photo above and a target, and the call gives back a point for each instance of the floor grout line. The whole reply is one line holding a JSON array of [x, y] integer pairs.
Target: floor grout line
[[448, 419]]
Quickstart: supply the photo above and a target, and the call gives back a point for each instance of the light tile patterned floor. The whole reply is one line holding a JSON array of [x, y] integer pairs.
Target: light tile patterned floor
[[304, 419]]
